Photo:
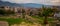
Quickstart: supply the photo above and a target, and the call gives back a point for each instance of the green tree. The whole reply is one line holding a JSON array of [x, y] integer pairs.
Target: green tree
[[31, 13], [39, 14], [10, 12], [23, 13], [45, 13], [2, 12]]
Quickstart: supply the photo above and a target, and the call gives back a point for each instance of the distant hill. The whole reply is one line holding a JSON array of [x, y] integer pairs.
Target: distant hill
[[20, 5], [32, 5], [8, 4]]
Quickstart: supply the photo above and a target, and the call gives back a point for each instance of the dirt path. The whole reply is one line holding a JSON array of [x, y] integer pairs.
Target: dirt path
[[26, 24], [30, 18]]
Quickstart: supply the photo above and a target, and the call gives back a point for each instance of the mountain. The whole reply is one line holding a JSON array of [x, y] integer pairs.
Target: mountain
[[8, 4], [33, 5], [30, 5]]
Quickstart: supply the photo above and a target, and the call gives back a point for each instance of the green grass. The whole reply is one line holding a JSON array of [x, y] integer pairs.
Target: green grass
[[19, 20], [41, 19], [15, 21], [50, 20], [12, 21]]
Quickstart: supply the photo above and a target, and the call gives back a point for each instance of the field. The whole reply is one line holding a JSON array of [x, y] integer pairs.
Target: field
[[32, 20]]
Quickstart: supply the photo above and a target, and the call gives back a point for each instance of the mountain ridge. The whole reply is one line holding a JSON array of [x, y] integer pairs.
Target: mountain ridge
[[20, 5], [32, 5]]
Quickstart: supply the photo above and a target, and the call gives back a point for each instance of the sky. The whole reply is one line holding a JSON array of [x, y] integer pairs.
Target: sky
[[46, 2]]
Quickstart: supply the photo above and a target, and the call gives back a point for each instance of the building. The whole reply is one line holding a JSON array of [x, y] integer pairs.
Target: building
[[57, 12], [15, 9]]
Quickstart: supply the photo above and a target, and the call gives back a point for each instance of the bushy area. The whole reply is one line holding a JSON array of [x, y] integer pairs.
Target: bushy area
[[6, 12]]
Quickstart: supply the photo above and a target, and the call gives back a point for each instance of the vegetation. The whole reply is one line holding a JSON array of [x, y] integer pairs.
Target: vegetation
[[10, 12], [45, 13], [31, 13], [41, 19], [12, 20], [4, 12], [42, 16]]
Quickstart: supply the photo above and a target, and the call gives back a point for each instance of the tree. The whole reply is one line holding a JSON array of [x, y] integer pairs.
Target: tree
[[10, 12], [39, 14], [45, 13], [2, 12], [23, 13], [31, 13]]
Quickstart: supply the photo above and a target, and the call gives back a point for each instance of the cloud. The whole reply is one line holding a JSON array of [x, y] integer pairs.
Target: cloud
[[46, 2], [52, 2], [20, 1]]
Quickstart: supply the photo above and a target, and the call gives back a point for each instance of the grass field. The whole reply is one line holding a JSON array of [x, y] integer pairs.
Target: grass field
[[41, 19], [19, 20]]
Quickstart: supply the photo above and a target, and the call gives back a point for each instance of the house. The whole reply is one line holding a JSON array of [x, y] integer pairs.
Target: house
[[15, 9], [57, 13]]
